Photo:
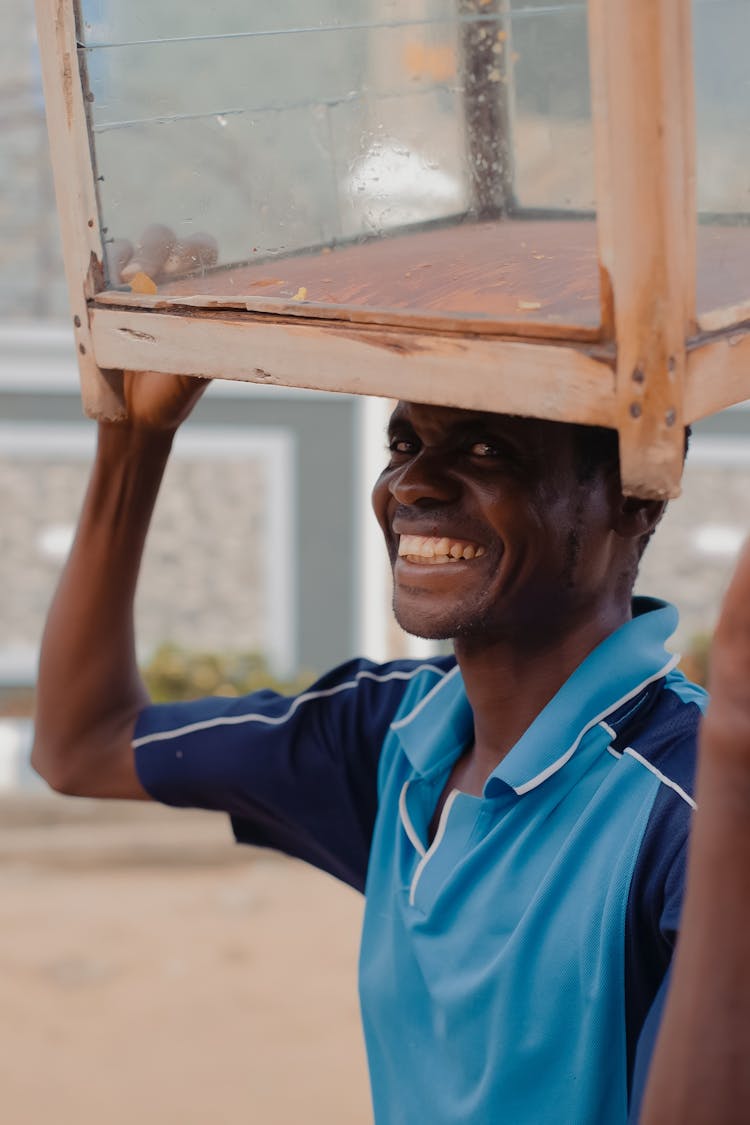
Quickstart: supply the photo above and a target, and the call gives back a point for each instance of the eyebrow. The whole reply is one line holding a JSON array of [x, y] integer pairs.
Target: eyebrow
[[398, 421], [489, 425]]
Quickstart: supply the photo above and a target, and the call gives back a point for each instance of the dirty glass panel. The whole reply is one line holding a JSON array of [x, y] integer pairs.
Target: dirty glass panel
[[107, 22], [722, 82], [427, 156]]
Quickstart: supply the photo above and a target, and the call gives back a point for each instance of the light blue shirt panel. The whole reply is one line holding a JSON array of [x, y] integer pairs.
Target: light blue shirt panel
[[529, 955], [686, 690], [497, 994]]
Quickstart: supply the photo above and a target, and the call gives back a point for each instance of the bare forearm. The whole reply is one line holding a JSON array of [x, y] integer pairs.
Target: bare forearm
[[89, 689], [700, 1073]]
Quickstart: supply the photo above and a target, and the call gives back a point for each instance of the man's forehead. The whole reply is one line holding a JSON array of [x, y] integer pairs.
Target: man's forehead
[[406, 409], [424, 414]]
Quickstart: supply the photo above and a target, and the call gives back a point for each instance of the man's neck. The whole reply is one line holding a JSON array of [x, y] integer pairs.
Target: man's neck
[[508, 685]]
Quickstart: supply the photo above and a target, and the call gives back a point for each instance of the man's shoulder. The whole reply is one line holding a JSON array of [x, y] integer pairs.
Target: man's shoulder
[[665, 742], [665, 738], [361, 671], [379, 688]]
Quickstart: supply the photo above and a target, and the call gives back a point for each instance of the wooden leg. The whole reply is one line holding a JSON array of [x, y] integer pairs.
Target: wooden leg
[[647, 223], [486, 75]]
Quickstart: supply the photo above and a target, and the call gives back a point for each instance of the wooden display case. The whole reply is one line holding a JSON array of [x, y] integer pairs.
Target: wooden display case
[[485, 203]]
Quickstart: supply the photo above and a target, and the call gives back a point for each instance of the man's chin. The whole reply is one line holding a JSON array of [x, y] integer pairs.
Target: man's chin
[[428, 634], [432, 628]]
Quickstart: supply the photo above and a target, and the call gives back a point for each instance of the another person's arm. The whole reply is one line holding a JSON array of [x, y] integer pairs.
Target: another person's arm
[[700, 1074], [89, 690]]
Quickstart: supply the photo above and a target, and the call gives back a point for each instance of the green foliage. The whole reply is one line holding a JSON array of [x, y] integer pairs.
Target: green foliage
[[176, 673], [696, 659]]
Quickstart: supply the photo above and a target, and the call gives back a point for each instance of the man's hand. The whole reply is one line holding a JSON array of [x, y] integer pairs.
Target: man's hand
[[158, 402]]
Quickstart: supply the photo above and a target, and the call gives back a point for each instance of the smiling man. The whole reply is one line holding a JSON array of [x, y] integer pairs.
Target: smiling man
[[517, 814]]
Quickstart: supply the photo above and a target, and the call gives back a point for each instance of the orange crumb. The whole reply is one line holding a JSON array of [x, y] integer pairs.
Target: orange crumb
[[142, 283], [301, 294]]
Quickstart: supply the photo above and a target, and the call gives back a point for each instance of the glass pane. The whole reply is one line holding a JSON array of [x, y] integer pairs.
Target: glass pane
[[428, 156], [722, 76]]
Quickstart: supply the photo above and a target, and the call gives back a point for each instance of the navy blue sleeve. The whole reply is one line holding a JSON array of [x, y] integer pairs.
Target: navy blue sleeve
[[668, 745], [298, 774], [669, 924], [645, 1051]]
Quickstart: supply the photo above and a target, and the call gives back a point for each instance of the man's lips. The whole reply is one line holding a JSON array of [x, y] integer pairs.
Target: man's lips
[[429, 550]]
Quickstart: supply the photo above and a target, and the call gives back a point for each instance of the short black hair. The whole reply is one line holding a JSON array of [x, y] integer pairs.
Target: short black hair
[[598, 448]]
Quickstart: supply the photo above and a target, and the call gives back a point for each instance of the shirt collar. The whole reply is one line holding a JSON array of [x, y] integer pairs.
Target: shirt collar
[[615, 672]]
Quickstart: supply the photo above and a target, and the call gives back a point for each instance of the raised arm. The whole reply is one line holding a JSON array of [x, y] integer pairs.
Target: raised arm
[[700, 1074], [89, 690]]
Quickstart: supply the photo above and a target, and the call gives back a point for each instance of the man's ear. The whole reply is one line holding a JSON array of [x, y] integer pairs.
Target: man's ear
[[632, 517], [635, 518]]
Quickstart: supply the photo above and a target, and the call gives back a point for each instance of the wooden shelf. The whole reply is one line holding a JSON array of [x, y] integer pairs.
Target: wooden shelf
[[527, 277], [534, 277]]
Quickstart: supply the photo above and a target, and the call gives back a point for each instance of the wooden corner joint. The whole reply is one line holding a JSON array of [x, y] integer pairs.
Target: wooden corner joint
[[101, 389], [651, 425]]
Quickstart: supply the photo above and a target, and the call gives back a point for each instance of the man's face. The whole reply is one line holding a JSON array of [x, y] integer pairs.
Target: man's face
[[490, 531]]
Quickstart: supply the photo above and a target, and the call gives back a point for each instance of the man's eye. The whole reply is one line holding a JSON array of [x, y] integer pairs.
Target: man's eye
[[402, 445], [484, 449]]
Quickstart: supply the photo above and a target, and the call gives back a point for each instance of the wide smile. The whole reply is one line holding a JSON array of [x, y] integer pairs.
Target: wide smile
[[427, 550]]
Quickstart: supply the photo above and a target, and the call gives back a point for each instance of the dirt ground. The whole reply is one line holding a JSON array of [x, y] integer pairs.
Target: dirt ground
[[153, 972]]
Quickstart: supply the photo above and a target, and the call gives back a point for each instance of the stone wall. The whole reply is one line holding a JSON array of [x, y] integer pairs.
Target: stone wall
[[203, 581]]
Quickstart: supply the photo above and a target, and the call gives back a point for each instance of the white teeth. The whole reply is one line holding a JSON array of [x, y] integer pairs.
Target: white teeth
[[419, 548]]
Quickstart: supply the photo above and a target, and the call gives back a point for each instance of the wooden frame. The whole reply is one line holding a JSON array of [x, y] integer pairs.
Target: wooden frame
[[648, 368], [647, 223], [75, 188], [570, 384]]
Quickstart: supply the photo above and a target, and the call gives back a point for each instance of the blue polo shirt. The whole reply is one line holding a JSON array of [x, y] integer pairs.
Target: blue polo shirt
[[508, 966]]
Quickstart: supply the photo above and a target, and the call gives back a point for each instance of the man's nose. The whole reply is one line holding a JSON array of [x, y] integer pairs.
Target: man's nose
[[424, 478]]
